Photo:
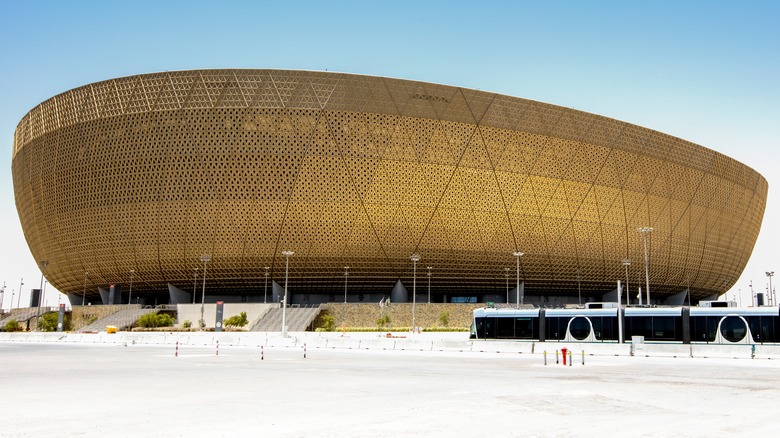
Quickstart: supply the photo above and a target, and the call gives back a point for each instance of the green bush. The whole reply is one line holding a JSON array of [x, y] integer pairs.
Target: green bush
[[328, 323], [186, 324], [383, 321], [152, 320], [48, 322], [444, 318], [12, 326], [237, 320]]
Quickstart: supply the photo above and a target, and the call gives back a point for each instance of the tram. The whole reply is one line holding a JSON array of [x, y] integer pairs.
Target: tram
[[598, 322]]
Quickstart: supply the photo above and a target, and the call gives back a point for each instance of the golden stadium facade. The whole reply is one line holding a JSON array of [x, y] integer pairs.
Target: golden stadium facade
[[134, 179]]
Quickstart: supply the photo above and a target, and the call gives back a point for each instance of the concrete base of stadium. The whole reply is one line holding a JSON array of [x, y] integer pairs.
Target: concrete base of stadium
[[401, 341]]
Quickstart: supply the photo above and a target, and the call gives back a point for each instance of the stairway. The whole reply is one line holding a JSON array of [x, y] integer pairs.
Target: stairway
[[298, 319], [122, 319]]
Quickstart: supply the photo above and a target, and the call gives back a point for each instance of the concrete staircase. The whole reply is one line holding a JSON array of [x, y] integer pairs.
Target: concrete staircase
[[21, 315], [122, 319], [298, 319]]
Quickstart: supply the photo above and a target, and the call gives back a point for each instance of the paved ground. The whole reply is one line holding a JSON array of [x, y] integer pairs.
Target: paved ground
[[108, 390]]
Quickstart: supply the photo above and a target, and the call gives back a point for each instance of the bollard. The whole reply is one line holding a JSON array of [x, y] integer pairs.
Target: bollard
[[217, 347], [556, 357], [304, 351], [262, 356], [753, 351], [545, 357], [570, 361], [177, 349], [564, 351], [583, 357]]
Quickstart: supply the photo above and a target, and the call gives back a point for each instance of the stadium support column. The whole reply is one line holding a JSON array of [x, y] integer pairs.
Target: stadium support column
[[205, 258]]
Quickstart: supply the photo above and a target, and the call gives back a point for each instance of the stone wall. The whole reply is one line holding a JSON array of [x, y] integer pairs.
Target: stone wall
[[426, 315]]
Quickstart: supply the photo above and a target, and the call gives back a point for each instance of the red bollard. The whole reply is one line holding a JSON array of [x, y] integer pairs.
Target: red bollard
[[563, 350]]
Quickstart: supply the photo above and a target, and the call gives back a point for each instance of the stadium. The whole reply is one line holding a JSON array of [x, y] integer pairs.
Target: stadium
[[130, 182]]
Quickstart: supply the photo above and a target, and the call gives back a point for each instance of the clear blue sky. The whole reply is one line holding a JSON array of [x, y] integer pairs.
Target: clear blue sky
[[706, 71]]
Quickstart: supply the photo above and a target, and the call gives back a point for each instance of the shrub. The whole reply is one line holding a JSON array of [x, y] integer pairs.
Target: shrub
[[152, 320], [328, 323], [383, 321], [12, 326], [237, 320], [444, 318], [186, 324], [48, 322]]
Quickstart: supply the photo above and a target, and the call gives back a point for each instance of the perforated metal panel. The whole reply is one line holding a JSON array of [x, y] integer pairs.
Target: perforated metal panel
[[149, 172]]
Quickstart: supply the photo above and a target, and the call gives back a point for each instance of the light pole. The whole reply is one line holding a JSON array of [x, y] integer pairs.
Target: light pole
[[2, 295], [84, 292], [507, 284], [517, 255], [579, 289], [287, 255], [265, 290], [130, 295], [645, 231], [43, 264], [770, 274], [626, 264], [19, 298], [414, 258], [429, 284], [205, 258], [194, 284], [346, 276], [13, 293]]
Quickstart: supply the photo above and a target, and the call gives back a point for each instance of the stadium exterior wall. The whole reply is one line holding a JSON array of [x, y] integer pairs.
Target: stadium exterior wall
[[147, 173]]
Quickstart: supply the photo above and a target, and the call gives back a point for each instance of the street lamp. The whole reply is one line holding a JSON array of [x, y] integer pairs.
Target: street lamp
[[770, 274], [205, 258], [265, 291], [645, 231], [414, 258], [627, 263], [19, 298], [2, 295], [429, 284], [43, 264], [84, 292], [287, 255], [579, 289], [507, 284], [517, 255], [130, 295], [346, 276], [194, 284]]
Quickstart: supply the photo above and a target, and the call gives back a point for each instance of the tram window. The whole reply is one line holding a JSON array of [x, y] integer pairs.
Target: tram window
[[579, 328], [480, 327], [524, 328], [663, 327], [733, 328], [703, 328], [598, 330], [490, 328], [555, 328], [505, 328]]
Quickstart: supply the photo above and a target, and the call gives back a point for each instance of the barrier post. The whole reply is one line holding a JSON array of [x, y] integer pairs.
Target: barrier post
[[583, 357], [556, 357], [177, 349], [564, 351], [261, 353], [545, 357], [570, 360], [304, 351], [217, 347]]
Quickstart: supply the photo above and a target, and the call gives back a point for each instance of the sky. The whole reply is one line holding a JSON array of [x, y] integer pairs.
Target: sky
[[706, 71]]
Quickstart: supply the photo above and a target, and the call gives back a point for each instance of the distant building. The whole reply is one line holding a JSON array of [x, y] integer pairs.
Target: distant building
[[131, 180]]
